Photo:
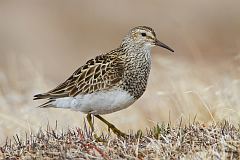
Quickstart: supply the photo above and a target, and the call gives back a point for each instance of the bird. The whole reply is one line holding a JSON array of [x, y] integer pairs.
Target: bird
[[109, 82]]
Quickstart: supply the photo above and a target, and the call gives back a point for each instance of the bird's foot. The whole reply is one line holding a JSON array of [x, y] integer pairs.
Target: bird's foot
[[112, 127], [99, 138], [116, 131]]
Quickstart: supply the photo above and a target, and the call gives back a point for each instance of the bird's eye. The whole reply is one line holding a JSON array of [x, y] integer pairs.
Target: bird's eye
[[143, 34]]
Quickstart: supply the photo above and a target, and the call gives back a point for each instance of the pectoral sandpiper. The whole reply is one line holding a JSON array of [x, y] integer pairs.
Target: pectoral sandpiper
[[110, 82]]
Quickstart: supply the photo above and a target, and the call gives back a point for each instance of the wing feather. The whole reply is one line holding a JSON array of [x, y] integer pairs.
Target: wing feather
[[101, 73]]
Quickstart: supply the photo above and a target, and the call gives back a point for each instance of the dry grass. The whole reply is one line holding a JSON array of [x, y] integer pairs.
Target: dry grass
[[188, 96], [192, 141], [177, 90], [180, 139]]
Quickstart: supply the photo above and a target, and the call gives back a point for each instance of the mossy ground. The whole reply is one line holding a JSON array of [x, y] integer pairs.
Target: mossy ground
[[164, 141]]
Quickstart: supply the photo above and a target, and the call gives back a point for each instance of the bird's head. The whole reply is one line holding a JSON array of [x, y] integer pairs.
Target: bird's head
[[145, 37]]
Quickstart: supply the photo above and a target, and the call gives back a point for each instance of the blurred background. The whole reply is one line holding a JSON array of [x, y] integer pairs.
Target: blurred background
[[43, 42]]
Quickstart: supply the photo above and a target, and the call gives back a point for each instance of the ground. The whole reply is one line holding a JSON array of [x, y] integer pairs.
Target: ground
[[164, 141]]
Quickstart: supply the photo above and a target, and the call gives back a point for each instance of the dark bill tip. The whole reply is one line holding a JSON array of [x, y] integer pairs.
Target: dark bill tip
[[160, 44]]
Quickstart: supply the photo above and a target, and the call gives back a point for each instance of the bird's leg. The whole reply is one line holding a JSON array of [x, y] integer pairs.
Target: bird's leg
[[111, 126], [89, 119]]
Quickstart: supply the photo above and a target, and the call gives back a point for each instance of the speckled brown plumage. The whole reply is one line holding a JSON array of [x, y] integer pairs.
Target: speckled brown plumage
[[99, 73], [126, 67], [110, 82]]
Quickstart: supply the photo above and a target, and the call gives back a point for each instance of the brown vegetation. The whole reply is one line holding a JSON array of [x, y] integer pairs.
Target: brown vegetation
[[164, 141]]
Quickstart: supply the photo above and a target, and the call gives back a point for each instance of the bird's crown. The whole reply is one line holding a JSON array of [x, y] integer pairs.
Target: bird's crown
[[142, 37], [142, 34]]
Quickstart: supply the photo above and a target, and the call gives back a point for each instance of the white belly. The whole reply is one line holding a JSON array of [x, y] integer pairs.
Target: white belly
[[97, 103]]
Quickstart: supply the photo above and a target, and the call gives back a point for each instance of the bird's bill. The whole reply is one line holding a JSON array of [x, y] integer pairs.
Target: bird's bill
[[160, 44]]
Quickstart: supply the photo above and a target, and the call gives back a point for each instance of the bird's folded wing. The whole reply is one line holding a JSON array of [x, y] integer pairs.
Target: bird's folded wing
[[101, 73]]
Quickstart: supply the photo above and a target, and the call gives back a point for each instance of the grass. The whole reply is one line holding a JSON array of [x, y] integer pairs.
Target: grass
[[176, 93], [163, 141]]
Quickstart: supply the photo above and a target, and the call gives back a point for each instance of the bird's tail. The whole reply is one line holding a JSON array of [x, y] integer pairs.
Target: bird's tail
[[48, 104], [41, 96], [44, 96]]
